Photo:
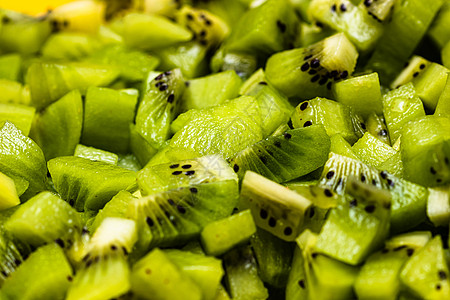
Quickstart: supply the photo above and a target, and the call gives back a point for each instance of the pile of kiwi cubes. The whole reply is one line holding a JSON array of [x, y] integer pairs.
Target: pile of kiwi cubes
[[225, 149]]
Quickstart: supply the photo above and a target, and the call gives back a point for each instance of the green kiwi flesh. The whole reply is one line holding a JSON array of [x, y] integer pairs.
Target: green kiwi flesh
[[20, 115], [96, 154]]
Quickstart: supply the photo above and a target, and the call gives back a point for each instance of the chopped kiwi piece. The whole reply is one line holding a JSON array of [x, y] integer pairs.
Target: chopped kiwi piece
[[380, 10], [410, 20], [46, 273], [96, 154], [415, 66], [70, 46], [274, 208], [14, 92], [312, 33], [342, 15], [107, 115], [340, 146], [430, 84], [88, 184], [426, 150], [82, 16], [43, 219], [176, 216], [309, 72], [360, 221], [335, 118], [242, 277], [274, 257], [32, 32], [362, 93], [439, 30], [244, 64], [9, 196], [20, 115], [379, 276], [408, 205], [134, 65], [49, 82], [105, 273], [205, 271], [183, 173], [266, 29], [133, 28], [426, 274], [211, 90], [220, 236], [399, 107], [372, 151], [445, 54], [207, 28], [22, 160], [57, 129], [324, 277], [224, 129], [158, 107], [281, 158], [155, 276], [376, 126], [296, 286], [443, 105], [10, 66]]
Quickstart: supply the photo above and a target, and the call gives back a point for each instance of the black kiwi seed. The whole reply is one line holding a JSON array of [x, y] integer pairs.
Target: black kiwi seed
[[176, 173], [330, 174], [333, 8], [289, 123], [446, 160], [312, 212], [188, 173], [416, 74], [422, 66], [438, 180], [287, 231], [277, 144], [4, 274], [314, 255], [343, 7], [159, 77], [409, 252], [262, 83], [370, 208], [374, 182], [385, 250], [171, 202], [193, 190], [312, 72], [174, 166], [189, 17], [113, 247], [353, 203], [303, 106], [272, 222], [432, 171], [319, 24], [171, 98], [60, 242], [438, 286], [181, 209], [301, 283], [203, 42], [383, 174], [363, 126], [390, 183], [399, 248], [69, 278], [158, 84], [263, 159], [363, 178], [367, 3], [442, 275], [202, 33], [263, 214], [344, 75], [287, 136], [281, 26], [305, 67], [328, 193], [307, 123], [236, 168], [149, 221], [315, 63], [188, 166], [307, 57], [323, 81], [163, 87], [167, 73], [208, 22]]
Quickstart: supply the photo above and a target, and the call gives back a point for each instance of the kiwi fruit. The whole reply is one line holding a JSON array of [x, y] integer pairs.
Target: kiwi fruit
[[372, 151], [105, 272], [274, 208], [11, 256], [310, 71], [46, 273], [9, 196], [287, 156], [20, 115], [96, 154], [380, 10], [413, 68], [376, 126], [10, 66]]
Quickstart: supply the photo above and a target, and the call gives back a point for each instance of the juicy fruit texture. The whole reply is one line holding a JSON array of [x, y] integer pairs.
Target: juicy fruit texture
[[285, 157], [309, 72], [22, 160], [274, 208], [20, 115], [87, 184], [10, 255], [46, 274], [8, 195]]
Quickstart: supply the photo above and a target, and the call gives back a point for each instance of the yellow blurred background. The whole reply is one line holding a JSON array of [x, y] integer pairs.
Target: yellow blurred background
[[32, 7]]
